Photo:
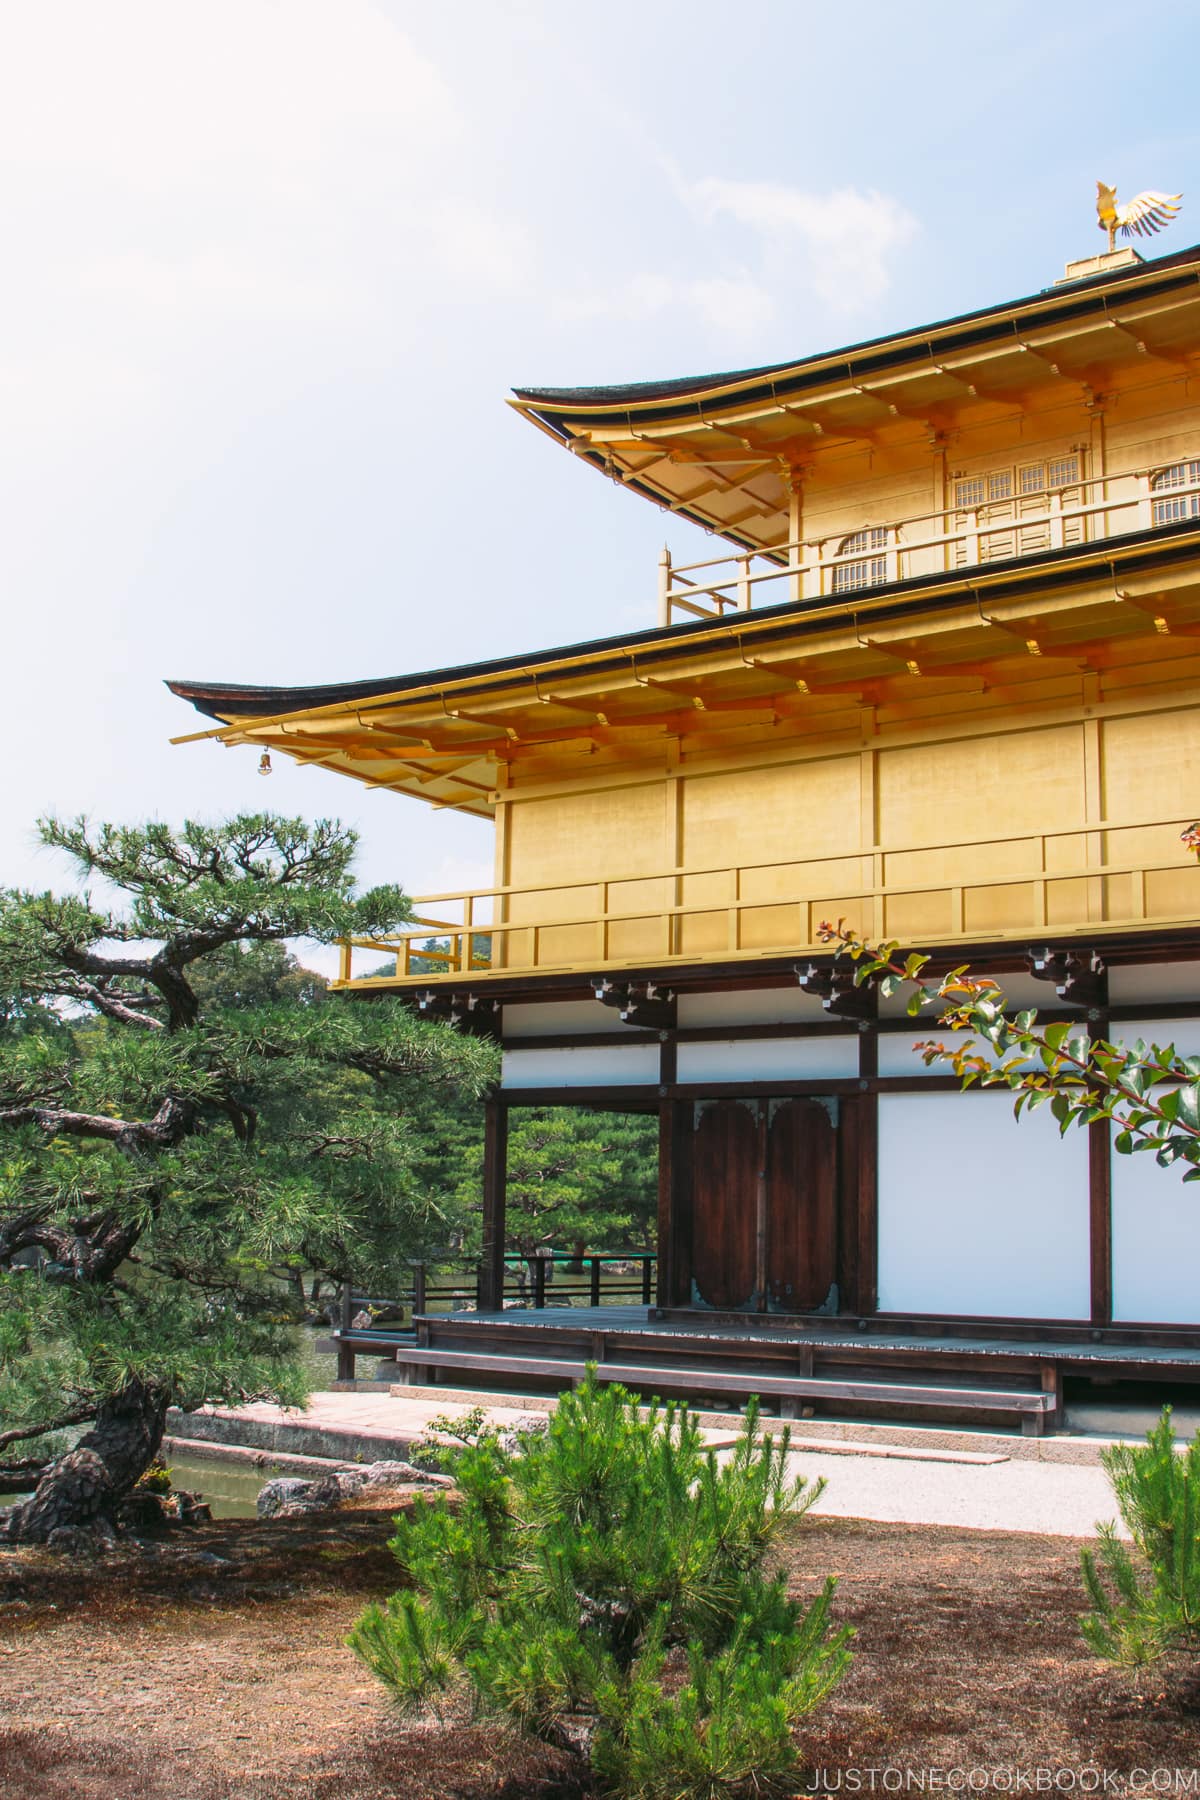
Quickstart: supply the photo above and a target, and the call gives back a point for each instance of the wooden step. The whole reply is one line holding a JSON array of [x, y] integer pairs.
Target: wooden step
[[1033, 1408]]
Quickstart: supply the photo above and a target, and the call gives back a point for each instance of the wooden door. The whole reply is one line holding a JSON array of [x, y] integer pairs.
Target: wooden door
[[801, 1206], [725, 1185]]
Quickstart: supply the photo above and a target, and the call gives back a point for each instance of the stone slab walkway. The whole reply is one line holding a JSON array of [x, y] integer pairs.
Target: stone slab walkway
[[937, 1478]]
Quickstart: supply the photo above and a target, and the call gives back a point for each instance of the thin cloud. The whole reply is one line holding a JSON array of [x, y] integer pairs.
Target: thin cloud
[[733, 305], [838, 248], [842, 245]]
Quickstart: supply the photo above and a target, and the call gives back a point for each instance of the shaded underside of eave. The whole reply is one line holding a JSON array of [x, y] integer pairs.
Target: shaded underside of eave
[[656, 438], [565, 410], [1160, 547]]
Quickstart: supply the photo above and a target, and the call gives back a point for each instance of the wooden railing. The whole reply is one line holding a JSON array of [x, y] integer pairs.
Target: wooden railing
[[371, 1322], [521, 933], [1080, 511], [548, 1277]]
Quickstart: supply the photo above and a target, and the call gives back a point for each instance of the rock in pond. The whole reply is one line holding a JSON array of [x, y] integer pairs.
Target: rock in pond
[[289, 1496]]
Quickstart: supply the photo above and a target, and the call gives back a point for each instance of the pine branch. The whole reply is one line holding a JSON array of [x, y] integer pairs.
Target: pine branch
[[75, 1415], [173, 1121], [113, 1006]]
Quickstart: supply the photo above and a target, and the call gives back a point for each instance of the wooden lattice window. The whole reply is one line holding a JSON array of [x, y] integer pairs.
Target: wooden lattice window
[[1173, 506], [972, 491], [1006, 512], [871, 569]]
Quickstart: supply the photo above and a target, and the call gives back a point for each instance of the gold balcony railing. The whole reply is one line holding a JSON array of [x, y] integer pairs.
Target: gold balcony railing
[[1125, 873], [1017, 524]]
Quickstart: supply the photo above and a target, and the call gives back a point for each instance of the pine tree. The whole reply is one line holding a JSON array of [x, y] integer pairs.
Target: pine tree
[[605, 1587], [187, 1121], [1153, 1607]]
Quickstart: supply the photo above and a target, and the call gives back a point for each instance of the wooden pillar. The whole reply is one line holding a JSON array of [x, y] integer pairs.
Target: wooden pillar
[[502, 871], [795, 532], [858, 1135], [941, 485], [495, 1170], [760, 1207], [1100, 1204], [419, 1280], [674, 1285], [867, 1300], [345, 1352]]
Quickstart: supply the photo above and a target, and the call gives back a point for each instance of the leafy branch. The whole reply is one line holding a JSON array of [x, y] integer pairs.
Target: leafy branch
[[1150, 1093]]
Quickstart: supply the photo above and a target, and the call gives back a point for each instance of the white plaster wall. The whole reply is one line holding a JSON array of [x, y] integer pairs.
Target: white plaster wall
[[979, 1212], [1183, 1033], [764, 1006], [598, 1065], [897, 1056], [769, 1059], [1021, 988], [1155, 1243], [1156, 982], [554, 1019]]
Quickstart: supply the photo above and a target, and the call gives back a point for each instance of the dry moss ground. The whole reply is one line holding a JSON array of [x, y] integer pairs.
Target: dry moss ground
[[177, 1676]]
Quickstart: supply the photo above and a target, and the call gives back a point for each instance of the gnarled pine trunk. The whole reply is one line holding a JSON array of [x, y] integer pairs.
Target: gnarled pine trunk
[[88, 1483]]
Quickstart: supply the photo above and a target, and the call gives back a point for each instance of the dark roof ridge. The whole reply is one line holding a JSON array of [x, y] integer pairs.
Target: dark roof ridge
[[627, 393], [1151, 544]]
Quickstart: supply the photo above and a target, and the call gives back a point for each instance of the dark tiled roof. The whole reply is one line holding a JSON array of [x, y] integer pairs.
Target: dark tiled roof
[[1074, 299]]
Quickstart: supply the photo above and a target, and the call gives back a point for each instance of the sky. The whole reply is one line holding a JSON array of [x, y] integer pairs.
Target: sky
[[271, 267]]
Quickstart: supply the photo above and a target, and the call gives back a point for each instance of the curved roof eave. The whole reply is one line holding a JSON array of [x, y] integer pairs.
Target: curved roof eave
[[1149, 547], [550, 405]]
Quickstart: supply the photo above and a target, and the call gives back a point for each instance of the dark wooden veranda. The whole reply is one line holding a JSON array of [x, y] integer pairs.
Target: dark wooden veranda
[[966, 1372]]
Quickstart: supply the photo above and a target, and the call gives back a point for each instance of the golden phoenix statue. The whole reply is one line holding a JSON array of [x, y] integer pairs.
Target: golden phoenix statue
[[1142, 216]]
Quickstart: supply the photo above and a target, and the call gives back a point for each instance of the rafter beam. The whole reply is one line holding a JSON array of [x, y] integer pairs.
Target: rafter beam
[[1177, 359], [1010, 397], [824, 426], [932, 418], [385, 750], [1082, 380], [1156, 613], [720, 455]]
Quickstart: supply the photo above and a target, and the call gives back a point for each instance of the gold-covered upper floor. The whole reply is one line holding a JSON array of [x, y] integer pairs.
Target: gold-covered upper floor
[[953, 695], [881, 431]]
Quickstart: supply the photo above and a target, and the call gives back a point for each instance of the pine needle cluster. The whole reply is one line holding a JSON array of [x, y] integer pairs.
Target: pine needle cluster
[[190, 1126], [1149, 1604], [605, 1586]]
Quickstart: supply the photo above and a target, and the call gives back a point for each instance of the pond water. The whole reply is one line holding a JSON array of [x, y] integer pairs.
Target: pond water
[[230, 1488]]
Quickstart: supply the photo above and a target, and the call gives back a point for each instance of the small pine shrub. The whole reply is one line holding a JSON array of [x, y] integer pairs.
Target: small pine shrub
[[603, 1586], [1151, 1605]]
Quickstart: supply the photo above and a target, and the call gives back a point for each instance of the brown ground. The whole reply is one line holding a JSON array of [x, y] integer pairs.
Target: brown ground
[[171, 1677]]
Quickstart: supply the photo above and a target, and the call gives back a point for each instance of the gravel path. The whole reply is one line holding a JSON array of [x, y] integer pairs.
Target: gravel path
[[1057, 1499]]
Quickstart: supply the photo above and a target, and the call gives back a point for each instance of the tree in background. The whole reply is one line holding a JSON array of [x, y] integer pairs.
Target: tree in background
[[187, 1118], [575, 1179]]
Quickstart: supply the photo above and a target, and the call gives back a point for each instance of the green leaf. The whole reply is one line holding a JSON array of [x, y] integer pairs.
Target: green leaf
[[1188, 1106], [1063, 1110]]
